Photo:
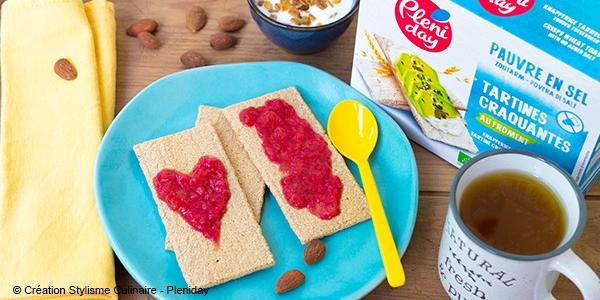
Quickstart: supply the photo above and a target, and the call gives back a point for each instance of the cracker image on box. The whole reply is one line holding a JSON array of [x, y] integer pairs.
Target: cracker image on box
[[378, 74], [383, 87], [226, 248], [308, 177], [381, 84], [432, 106], [247, 174]]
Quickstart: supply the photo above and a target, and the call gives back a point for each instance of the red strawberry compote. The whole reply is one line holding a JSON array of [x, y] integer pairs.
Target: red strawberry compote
[[200, 197], [301, 154]]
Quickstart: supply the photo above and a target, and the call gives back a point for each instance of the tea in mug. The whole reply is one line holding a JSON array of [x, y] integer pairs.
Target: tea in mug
[[513, 212]]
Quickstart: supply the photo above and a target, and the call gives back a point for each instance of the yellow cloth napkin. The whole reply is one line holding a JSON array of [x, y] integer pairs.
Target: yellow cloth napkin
[[50, 232]]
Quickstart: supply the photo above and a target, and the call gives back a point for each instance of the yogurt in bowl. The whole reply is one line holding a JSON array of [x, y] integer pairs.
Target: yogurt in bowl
[[303, 26], [305, 13]]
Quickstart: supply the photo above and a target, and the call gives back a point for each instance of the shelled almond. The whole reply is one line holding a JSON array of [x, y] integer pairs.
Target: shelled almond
[[231, 23], [192, 59], [64, 69], [289, 281], [143, 25], [222, 41], [196, 18], [314, 252], [148, 40]]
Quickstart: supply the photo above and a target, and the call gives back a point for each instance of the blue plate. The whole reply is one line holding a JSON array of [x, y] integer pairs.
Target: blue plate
[[352, 266]]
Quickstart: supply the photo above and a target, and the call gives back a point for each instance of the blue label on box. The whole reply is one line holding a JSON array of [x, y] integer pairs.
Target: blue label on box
[[567, 30], [501, 116]]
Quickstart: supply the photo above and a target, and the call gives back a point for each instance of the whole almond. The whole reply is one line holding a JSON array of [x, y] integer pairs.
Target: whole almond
[[65, 69], [192, 59], [222, 41], [148, 40], [289, 281], [195, 18], [231, 23], [147, 25], [314, 252]]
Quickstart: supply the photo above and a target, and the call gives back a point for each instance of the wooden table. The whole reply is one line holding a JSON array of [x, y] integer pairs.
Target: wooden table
[[138, 67]]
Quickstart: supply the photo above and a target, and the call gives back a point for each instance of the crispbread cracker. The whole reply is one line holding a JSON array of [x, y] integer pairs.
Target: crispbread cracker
[[462, 140], [250, 180], [247, 174], [242, 248], [383, 89], [305, 225]]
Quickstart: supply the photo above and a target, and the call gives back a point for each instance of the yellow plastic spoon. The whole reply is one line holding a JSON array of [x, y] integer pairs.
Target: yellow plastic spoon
[[353, 130]]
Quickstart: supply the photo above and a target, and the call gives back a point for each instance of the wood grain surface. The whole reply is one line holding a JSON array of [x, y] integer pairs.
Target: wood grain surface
[[138, 67]]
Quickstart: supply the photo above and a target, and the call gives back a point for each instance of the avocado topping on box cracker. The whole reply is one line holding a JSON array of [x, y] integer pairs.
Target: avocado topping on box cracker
[[423, 88]]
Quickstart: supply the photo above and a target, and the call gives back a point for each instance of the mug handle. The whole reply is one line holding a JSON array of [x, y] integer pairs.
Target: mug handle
[[574, 268]]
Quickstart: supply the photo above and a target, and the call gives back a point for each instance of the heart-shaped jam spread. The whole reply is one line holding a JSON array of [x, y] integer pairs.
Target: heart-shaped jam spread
[[200, 197], [301, 154]]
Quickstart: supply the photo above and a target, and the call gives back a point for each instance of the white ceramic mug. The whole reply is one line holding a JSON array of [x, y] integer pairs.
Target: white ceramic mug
[[471, 269]]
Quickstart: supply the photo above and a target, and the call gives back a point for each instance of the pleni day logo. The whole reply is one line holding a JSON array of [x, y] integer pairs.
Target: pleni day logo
[[507, 8], [425, 24]]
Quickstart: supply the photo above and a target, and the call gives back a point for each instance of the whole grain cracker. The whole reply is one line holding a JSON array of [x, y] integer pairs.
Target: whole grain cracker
[[249, 177], [242, 248], [305, 225], [247, 174]]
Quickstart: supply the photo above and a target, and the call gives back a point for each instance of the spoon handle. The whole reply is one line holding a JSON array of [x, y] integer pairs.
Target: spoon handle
[[385, 240]]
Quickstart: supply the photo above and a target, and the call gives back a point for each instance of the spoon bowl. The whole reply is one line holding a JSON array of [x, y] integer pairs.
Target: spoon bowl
[[352, 128]]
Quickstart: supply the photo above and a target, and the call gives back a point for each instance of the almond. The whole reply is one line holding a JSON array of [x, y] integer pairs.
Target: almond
[[65, 69], [222, 41], [195, 19], [143, 25], [231, 23], [289, 281], [314, 252], [148, 40], [192, 59]]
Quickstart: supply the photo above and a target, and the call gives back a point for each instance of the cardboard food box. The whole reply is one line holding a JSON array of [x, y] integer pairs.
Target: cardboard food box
[[465, 77]]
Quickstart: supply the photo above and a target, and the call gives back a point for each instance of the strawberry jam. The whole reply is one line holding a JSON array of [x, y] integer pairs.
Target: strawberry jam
[[200, 197], [301, 154]]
